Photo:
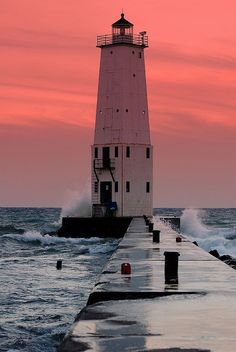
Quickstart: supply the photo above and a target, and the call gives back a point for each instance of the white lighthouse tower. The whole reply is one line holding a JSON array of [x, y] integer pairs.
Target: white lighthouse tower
[[122, 166]]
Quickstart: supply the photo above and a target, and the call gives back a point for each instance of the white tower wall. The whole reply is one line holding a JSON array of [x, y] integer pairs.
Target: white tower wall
[[122, 109]]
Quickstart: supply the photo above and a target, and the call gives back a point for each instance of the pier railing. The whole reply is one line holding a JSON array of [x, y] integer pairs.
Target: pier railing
[[135, 39], [104, 163]]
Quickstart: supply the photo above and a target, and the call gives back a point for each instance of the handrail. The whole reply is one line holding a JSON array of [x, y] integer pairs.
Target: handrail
[[135, 39], [104, 164], [94, 169]]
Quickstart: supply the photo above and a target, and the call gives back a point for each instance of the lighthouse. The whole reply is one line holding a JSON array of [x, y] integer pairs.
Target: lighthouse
[[122, 154]]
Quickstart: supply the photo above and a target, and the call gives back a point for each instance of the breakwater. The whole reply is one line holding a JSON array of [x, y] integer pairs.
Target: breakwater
[[141, 312], [94, 227]]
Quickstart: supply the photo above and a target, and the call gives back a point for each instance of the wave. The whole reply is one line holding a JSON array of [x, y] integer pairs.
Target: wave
[[191, 223], [36, 236], [223, 239], [104, 248], [78, 204], [92, 245], [231, 235], [4, 229]]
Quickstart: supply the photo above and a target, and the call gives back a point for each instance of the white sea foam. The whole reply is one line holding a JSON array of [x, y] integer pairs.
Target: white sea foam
[[77, 204], [35, 236], [191, 223], [218, 238], [163, 225]]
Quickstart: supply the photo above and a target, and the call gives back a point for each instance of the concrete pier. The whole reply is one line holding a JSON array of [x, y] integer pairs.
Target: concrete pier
[[139, 312]]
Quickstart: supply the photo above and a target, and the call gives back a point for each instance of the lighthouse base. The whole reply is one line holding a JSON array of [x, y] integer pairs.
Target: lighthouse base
[[94, 227]]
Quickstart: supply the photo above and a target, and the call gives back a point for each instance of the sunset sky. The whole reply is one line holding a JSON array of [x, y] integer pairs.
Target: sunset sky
[[48, 85]]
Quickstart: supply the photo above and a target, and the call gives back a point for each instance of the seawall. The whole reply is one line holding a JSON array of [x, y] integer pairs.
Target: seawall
[[94, 226], [140, 312]]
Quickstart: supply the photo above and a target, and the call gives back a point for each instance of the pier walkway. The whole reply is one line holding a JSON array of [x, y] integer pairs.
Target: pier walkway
[[139, 312]]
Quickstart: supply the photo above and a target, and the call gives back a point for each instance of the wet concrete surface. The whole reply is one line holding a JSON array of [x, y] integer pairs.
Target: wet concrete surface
[[185, 322], [139, 312]]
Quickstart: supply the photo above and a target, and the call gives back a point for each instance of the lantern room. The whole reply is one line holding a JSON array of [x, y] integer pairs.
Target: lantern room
[[122, 27], [122, 33]]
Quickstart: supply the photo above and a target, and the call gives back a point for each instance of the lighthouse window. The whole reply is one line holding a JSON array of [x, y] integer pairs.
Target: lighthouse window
[[95, 152], [148, 187], [126, 110], [116, 186], [116, 152], [127, 152], [134, 74], [127, 186], [95, 187], [117, 110], [148, 153], [140, 55], [133, 52], [111, 52]]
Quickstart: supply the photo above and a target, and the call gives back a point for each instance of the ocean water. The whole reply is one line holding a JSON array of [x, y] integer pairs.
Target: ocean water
[[39, 302]]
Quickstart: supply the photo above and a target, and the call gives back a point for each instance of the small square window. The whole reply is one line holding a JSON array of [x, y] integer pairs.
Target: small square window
[[140, 55], [95, 152], [147, 187], [116, 186], [127, 186], [127, 152], [116, 152]]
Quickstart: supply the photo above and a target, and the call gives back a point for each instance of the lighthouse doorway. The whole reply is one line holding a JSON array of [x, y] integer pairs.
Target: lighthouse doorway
[[105, 192]]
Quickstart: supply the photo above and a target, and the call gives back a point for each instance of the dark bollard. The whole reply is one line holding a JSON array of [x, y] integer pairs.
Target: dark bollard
[[171, 267], [147, 221], [156, 236], [150, 227], [59, 264]]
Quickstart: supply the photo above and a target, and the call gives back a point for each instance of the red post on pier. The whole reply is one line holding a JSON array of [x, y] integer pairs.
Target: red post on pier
[[125, 269]]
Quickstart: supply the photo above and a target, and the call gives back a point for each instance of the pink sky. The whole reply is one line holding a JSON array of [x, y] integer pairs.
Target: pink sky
[[48, 84]]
